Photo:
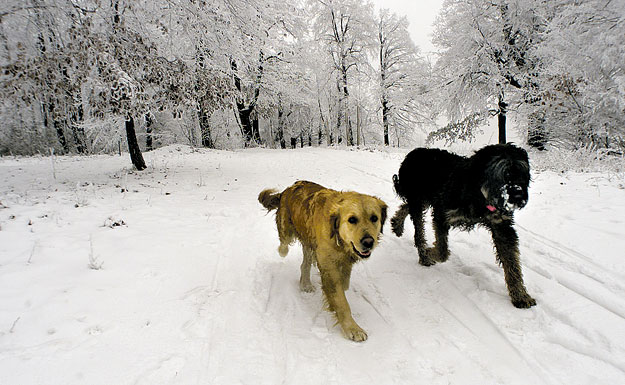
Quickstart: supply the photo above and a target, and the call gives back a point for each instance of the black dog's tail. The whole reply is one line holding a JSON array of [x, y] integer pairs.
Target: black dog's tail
[[397, 185], [397, 222], [270, 199]]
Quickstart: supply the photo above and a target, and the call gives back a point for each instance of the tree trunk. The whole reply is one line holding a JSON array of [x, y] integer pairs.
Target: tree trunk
[[76, 118], [280, 133], [319, 139], [350, 133], [358, 124], [249, 126], [148, 132], [501, 120], [58, 127], [385, 114], [133, 145], [205, 128], [536, 133], [246, 123], [344, 107], [255, 129], [339, 119]]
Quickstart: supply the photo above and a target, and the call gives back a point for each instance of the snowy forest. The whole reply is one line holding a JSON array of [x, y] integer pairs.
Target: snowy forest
[[165, 269], [94, 76]]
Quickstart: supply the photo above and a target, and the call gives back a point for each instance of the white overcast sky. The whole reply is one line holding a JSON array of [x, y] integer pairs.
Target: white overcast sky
[[421, 15]]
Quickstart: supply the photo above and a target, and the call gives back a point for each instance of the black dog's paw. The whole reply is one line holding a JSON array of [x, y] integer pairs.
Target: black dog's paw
[[426, 262], [429, 258], [524, 302]]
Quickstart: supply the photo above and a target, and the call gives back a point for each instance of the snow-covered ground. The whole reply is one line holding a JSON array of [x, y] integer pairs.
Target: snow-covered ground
[[171, 276]]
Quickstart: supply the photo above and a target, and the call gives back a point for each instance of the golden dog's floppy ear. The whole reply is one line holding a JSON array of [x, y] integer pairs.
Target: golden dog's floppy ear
[[383, 209], [335, 221]]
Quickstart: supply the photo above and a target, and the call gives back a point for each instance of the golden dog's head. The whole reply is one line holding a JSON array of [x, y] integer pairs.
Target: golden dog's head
[[357, 220]]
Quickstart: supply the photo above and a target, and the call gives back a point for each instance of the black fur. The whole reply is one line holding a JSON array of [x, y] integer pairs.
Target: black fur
[[484, 189]]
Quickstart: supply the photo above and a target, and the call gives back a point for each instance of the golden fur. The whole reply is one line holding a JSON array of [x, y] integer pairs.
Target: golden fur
[[336, 229]]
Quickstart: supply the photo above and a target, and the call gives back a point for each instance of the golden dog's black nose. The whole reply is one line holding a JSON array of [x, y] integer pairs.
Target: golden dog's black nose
[[367, 242]]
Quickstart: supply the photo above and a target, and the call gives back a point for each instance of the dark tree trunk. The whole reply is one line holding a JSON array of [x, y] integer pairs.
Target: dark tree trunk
[[349, 137], [293, 142], [385, 114], [133, 145], [255, 129], [246, 124], [58, 128], [536, 133], [249, 126], [350, 133], [205, 129], [148, 132], [319, 139], [280, 133], [501, 121], [79, 132], [338, 123]]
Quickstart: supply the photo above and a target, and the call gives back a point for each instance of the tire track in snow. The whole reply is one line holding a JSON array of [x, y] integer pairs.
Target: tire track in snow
[[371, 284], [594, 348], [468, 314], [295, 343], [559, 262], [602, 297], [495, 349], [456, 303], [580, 268]]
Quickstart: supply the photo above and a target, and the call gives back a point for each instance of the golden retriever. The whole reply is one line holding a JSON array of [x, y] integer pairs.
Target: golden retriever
[[336, 229]]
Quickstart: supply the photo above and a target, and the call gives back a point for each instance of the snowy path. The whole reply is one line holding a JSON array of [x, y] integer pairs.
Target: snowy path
[[191, 289]]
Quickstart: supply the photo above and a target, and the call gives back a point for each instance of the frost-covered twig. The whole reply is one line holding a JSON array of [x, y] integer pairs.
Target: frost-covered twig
[[93, 264], [32, 252], [201, 181], [52, 159], [14, 323]]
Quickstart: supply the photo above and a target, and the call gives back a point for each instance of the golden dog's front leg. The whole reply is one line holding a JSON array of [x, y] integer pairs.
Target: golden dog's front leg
[[332, 285]]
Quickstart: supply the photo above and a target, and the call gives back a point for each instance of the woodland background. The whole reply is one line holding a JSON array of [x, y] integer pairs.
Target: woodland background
[[97, 76]]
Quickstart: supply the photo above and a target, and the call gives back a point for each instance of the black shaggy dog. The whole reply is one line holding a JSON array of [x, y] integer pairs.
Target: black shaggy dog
[[484, 189]]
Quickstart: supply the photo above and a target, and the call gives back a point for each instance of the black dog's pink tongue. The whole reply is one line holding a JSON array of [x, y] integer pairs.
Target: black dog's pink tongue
[[491, 208]]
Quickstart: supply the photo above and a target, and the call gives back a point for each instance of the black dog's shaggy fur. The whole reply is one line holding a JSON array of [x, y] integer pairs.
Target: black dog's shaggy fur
[[483, 189]]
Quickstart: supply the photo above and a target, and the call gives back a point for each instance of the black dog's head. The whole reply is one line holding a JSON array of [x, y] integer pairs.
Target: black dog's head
[[505, 177]]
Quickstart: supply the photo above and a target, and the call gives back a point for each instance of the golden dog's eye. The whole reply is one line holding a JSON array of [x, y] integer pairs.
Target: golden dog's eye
[[374, 218], [352, 220]]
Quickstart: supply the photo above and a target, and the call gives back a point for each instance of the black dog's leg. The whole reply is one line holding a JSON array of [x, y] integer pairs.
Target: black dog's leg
[[417, 210], [507, 247], [440, 251], [397, 222]]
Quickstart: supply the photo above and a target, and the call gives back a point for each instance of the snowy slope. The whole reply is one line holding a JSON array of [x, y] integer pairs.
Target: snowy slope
[[171, 276]]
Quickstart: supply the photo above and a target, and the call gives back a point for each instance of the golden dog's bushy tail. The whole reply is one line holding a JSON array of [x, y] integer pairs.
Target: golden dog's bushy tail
[[269, 198]]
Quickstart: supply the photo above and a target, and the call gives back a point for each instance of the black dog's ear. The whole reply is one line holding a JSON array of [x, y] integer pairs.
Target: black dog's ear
[[335, 221]]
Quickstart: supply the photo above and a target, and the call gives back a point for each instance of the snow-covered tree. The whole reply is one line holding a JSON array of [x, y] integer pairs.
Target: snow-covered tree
[[486, 62], [583, 87], [345, 28], [402, 75]]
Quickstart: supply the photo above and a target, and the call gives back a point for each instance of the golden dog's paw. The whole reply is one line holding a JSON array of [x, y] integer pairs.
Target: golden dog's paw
[[283, 250], [306, 287], [355, 333]]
